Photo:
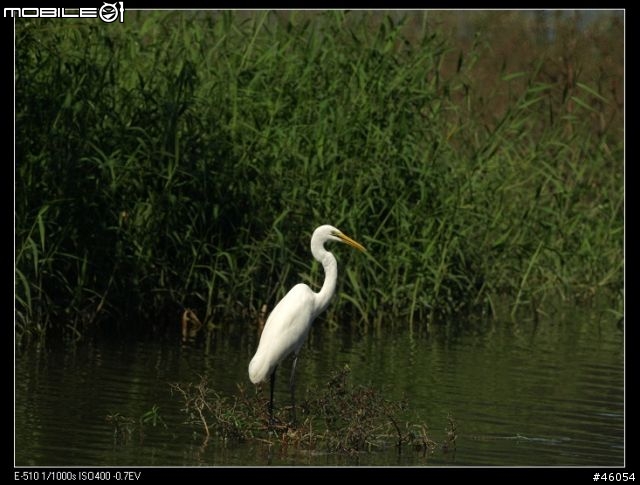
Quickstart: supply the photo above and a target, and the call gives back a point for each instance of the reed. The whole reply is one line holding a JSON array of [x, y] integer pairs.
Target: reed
[[182, 160]]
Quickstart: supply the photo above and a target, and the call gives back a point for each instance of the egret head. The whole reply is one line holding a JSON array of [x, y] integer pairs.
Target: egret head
[[330, 233]]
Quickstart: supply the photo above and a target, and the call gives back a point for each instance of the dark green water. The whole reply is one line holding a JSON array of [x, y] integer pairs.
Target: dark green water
[[521, 394]]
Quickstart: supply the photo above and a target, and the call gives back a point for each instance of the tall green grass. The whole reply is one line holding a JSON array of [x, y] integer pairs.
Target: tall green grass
[[182, 160]]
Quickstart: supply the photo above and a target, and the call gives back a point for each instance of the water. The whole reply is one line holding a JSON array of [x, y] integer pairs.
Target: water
[[550, 394]]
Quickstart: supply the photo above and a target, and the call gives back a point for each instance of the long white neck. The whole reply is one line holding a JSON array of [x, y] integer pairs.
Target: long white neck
[[330, 265]]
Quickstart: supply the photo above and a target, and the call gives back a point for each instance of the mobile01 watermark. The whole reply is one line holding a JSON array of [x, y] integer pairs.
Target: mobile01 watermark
[[109, 12]]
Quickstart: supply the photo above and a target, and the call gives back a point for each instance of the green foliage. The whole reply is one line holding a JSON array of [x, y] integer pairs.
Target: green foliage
[[125, 427], [182, 160]]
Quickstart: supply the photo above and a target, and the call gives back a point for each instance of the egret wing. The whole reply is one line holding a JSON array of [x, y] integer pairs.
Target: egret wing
[[285, 331]]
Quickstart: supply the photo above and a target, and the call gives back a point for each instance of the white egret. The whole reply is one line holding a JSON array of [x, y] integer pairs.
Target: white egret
[[289, 323]]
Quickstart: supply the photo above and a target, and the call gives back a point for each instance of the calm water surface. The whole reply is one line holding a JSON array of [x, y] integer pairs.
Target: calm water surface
[[521, 394]]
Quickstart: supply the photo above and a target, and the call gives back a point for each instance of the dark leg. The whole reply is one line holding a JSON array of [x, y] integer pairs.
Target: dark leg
[[292, 384], [273, 385]]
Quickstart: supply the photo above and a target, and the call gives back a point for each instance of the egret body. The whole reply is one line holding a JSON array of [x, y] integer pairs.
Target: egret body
[[289, 323]]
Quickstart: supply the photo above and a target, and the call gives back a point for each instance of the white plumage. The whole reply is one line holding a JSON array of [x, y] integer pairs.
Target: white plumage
[[290, 321]]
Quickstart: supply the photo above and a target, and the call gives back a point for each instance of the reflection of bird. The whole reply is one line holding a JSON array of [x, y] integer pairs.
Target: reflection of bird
[[290, 321]]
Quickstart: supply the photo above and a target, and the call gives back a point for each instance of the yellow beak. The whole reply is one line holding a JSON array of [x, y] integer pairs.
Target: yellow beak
[[354, 244]]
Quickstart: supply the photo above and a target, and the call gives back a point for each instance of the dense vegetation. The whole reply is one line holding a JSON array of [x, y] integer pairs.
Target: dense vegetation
[[182, 160]]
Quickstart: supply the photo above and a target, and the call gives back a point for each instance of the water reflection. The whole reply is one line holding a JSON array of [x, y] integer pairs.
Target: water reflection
[[525, 394]]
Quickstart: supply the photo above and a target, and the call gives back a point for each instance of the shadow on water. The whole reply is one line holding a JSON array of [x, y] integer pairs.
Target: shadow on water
[[520, 394]]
